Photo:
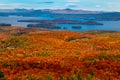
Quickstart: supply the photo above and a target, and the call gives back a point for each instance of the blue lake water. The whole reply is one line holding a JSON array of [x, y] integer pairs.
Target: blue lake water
[[108, 25]]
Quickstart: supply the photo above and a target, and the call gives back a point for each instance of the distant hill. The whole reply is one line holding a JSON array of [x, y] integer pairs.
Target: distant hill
[[56, 11], [62, 13], [35, 54], [70, 11]]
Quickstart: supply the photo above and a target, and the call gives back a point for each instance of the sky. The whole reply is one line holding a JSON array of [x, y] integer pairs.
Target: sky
[[93, 5]]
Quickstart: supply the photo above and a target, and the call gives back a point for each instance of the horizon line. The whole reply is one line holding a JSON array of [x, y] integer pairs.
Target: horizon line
[[59, 9]]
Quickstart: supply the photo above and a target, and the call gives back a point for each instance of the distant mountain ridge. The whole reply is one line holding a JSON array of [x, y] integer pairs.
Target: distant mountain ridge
[[57, 11], [62, 13], [70, 11]]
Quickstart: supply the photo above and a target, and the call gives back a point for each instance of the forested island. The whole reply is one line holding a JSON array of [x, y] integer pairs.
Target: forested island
[[63, 22], [5, 24]]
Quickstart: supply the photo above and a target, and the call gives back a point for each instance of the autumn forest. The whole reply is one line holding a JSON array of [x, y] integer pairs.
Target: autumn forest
[[34, 54]]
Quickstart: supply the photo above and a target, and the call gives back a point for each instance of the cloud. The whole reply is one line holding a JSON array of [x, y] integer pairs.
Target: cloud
[[71, 5], [73, 0], [15, 5], [49, 2], [97, 6]]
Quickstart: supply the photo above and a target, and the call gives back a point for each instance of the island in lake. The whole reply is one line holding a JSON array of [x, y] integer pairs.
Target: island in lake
[[52, 24], [47, 26], [76, 27], [63, 22], [5, 24]]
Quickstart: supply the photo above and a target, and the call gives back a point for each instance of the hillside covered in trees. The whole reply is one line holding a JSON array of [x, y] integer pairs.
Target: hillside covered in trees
[[34, 54]]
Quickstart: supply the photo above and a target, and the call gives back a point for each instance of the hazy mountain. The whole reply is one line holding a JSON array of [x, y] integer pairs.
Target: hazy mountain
[[70, 11], [58, 11]]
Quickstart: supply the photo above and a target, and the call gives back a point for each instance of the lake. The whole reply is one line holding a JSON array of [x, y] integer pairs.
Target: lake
[[108, 25]]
